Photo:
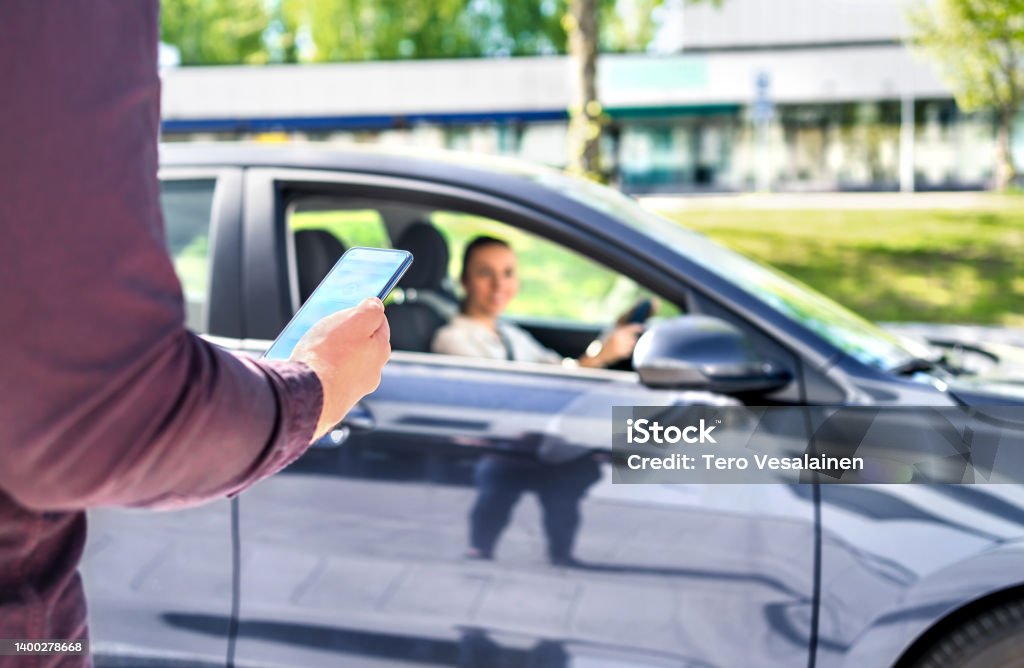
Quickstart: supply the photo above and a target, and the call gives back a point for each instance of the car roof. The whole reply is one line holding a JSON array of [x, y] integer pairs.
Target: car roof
[[427, 164], [540, 188]]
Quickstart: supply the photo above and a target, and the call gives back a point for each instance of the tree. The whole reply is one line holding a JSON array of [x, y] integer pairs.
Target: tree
[[593, 26], [216, 32], [979, 47], [357, 30], [585, 116]]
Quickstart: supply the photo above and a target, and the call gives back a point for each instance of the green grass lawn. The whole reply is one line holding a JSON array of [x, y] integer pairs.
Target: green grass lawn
[[929, 266]]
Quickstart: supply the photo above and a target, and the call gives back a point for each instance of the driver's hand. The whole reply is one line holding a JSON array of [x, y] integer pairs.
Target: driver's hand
[[619, 344], [347, 350], [624, 318]]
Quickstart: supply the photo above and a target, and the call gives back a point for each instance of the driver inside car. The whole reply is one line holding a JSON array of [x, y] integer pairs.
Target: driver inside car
[[490, 281]]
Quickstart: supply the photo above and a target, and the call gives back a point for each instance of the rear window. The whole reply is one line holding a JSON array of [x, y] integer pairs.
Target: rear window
[[187, 205]]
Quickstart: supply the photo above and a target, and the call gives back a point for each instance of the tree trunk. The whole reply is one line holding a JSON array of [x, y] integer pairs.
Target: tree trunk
[[585, 110], [1005, 170]]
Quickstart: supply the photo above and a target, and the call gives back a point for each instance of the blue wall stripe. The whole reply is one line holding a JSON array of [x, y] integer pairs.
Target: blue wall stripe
[[314, 123], [385, 121]]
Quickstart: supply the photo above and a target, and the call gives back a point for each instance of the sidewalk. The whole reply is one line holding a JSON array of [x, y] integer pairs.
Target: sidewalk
[[847, 201]]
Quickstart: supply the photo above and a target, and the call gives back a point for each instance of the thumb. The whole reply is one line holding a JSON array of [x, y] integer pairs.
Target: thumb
[[368, 315], [371, 304], [363, 320]]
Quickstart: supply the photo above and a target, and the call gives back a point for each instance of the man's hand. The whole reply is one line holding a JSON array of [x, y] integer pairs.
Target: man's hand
[[347, 350]]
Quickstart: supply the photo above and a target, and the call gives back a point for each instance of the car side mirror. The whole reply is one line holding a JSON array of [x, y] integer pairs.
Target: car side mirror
[[703, 353]]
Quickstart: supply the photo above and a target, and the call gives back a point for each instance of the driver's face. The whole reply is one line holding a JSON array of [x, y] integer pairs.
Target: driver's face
[[490, 280]]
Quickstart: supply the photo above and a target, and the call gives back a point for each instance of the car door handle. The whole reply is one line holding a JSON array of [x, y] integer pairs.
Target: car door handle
[[333, 439]]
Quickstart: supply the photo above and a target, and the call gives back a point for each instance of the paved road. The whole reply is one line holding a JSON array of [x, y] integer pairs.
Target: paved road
[[831, 201]]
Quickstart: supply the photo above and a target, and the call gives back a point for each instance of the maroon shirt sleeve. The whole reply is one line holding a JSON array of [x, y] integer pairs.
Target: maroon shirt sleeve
[[105, 397]]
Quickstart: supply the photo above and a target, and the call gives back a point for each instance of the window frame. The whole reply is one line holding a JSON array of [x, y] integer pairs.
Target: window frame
[[286, 185], [267, 304], [221, 310]]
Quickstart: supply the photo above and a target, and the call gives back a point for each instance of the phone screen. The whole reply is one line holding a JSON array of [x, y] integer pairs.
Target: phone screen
[[360, 273]]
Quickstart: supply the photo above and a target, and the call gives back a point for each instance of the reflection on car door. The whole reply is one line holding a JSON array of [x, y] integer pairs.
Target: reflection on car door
[[356, 555]]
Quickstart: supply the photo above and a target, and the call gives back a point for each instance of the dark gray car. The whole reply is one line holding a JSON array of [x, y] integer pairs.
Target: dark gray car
[[355, 554]]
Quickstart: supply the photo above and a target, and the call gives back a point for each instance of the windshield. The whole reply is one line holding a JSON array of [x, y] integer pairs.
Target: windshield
[[844, 329]]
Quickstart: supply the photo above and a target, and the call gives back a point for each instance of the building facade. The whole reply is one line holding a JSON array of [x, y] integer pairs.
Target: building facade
[[763, 94]]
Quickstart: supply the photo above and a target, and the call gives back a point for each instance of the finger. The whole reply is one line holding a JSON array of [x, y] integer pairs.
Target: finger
[[382, 337], [381, 350]]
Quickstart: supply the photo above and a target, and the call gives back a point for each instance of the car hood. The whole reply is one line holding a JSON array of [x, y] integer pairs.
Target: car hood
[[982, 391], [1000, 387]]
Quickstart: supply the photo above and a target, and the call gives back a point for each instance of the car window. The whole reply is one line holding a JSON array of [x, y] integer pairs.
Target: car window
[[564, 299], [555, 282], [352, 227], [187, 204]]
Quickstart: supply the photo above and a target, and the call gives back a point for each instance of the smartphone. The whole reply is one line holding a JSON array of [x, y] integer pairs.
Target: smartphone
[[359, 274]]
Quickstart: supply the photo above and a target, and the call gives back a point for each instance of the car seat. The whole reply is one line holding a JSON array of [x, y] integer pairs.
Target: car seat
[[316, 251], [426, 303]]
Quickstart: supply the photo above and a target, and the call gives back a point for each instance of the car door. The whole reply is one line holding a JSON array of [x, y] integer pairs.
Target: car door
[[159, 583], [356, 555]]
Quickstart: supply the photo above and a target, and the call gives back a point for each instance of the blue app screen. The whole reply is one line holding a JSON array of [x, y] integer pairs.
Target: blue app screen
[[360, 273]]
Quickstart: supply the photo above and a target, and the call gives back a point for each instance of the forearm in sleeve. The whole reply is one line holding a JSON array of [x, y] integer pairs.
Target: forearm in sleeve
[[188, 423]]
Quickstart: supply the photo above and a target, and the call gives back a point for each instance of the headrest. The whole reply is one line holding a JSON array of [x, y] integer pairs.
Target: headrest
[[430, 256], [316, 251]]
